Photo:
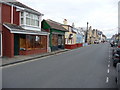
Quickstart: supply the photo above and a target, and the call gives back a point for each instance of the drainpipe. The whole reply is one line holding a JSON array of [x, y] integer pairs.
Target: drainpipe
[[12, 14]]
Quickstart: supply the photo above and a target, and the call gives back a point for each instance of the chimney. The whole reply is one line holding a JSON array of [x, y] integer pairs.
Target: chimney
[[65, 21]]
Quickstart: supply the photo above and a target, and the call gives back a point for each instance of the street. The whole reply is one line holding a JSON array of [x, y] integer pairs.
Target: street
[[86, 67]]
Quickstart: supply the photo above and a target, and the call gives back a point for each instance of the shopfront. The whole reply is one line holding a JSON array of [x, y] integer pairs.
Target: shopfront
[[24, 42], [29, 44], [57, 42], [57, 34]]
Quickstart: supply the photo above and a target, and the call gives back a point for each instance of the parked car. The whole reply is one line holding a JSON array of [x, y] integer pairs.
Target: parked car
[[116, 56], [96, 42], [118, 75]]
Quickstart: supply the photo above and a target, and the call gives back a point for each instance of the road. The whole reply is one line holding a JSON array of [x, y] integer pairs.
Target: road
[[86, 67]]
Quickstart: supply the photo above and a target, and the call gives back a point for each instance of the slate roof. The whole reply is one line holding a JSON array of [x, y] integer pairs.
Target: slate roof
[[55, 25], [19, 4], [18, 29]]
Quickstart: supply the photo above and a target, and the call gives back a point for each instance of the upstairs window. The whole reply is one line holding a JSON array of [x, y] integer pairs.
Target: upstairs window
[[29, 19]]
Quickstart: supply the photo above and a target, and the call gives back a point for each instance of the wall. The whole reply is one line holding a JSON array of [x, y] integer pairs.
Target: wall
[[68, 41], [8, 44], [16, 15], [8, 38]]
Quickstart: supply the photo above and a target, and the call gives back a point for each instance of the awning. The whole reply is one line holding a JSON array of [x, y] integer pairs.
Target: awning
[[19, 30]]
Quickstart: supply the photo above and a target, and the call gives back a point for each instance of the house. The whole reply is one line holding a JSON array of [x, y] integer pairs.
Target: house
[[70, 36], [83, 31], [21, 30], [79, 37], [103, 38], [57, 34], [99, 36]]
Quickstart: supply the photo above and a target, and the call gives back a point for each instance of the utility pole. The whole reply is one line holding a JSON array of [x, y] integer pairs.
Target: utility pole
[[86, 33]]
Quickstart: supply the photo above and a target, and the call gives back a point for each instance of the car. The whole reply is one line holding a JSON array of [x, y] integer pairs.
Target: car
[[96, 42], [116, 56], [116, 59], [118, 76]]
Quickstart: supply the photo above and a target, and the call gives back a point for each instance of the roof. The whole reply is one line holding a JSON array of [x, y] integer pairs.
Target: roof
[[55, 25], [103, 35], [19, 4], [18, 29]]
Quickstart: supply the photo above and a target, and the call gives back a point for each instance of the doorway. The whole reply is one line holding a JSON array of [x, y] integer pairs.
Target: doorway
[[16, 44]]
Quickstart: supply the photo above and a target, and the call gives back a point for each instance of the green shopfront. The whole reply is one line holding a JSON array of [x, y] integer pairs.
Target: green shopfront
[[57, 34], [56, 40]]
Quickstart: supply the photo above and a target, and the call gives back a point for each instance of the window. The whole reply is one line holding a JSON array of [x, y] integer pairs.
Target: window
[[43, 42], [54, 40], [22, 18], [30, 42], [32, 19], [22, 42], [29, 19]]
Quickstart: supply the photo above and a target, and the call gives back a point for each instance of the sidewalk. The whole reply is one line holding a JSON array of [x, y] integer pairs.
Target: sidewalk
[[18, 59]]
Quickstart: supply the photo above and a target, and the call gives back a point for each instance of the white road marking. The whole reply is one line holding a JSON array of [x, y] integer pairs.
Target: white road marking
[[107, 80], [108, 71], [108, 65]]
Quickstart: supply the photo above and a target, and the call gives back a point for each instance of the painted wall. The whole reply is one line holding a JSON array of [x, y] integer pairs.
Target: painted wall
[[16, 17], [8, 43], [70, 41], [8, 38]]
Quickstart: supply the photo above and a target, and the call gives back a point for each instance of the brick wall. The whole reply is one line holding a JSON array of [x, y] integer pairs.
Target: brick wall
[[8, 43]]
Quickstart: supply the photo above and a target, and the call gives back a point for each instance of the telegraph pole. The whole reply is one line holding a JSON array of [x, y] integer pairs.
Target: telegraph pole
[[86, 33]]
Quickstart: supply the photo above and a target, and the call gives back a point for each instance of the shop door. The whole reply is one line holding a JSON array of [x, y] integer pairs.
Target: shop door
[[59, 41], [16, 44]]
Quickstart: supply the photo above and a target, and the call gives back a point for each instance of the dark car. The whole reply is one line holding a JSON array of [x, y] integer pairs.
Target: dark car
[[116, 56], [96, 42]]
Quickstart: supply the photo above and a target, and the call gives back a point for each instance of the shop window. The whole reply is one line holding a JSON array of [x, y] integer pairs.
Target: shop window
[[22, 42], [43, 42], [59, 39], [36, 42], [30, 42], [54, 40]]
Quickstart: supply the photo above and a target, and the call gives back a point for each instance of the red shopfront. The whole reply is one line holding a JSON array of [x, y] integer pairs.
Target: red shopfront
[[24, 42]]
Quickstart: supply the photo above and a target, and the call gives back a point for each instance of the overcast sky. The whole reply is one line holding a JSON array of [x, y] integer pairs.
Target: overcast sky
[[101, 14]]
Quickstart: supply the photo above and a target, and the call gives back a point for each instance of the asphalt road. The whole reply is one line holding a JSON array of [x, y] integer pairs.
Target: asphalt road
[[86, 67]]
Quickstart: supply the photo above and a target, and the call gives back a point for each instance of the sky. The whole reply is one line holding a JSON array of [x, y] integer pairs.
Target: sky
[[101, 14]]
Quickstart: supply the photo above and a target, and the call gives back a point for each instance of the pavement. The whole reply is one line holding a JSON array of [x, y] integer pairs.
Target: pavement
[[22, 58], [85, 67]]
